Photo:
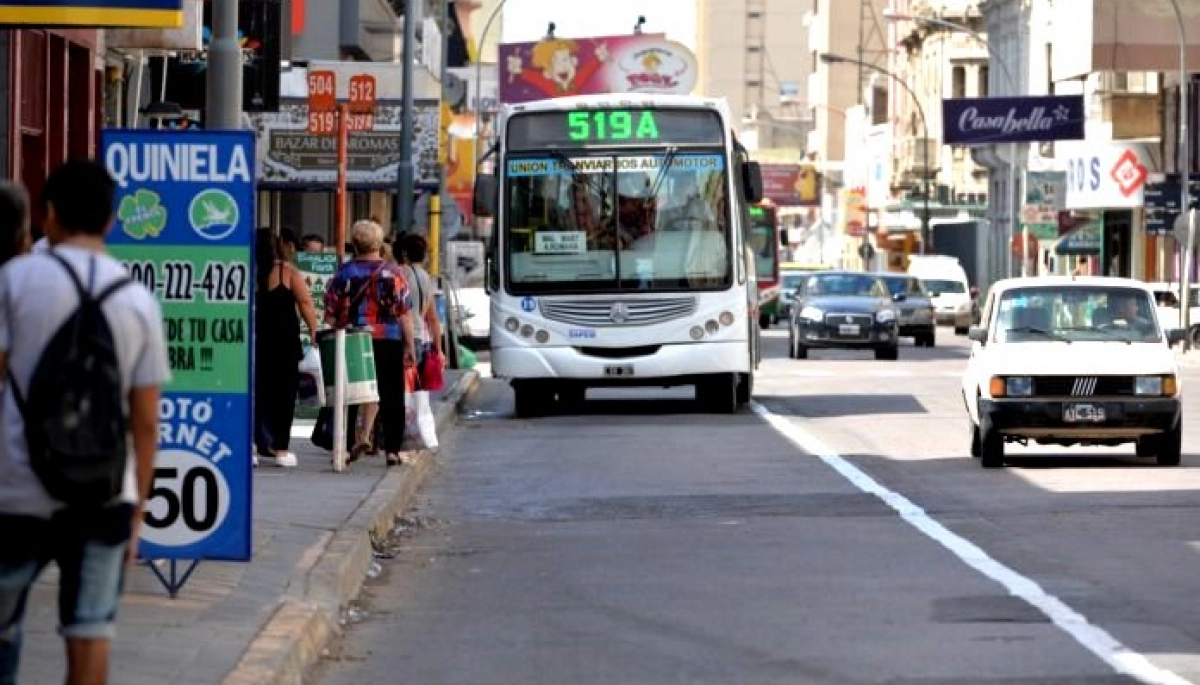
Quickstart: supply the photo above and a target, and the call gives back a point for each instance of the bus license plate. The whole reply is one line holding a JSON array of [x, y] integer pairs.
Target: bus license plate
[[618, 370], [1083, 413], [848, 329]]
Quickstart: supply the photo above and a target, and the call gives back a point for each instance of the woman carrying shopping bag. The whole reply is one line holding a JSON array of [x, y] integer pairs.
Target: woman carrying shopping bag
[[368, 292], [412, 251]]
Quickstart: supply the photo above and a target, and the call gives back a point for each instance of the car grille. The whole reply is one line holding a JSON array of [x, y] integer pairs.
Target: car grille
[[1082, 386], [863, 321], [614, 312]]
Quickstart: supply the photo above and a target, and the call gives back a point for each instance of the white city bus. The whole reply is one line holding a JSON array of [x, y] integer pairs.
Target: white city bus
[[619, 253]]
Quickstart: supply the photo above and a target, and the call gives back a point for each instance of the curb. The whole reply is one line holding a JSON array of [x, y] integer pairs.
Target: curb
[[306, 619]]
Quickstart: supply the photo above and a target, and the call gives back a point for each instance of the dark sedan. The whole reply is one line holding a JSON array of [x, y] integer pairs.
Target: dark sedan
[[913, 307], [844, 309]]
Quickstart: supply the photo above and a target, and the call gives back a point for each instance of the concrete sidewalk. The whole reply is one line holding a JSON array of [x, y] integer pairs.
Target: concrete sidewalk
[[265, 621]]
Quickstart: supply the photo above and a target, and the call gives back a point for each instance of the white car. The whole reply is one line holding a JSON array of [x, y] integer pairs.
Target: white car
[[1072, 361], [946, 282], [476, 305]]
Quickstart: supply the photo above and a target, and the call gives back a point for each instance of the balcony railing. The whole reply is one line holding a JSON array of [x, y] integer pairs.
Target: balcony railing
[[912, 164]]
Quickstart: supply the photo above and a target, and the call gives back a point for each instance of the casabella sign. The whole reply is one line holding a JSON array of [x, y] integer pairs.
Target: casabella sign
[[985, 121]]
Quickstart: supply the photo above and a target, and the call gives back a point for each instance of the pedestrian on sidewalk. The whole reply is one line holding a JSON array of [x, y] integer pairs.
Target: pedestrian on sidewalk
[[62, 311], [280, 292], [14, 222], [413, 251], [368, 292]]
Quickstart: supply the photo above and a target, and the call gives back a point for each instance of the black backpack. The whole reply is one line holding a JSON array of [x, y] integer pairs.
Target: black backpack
[[75, 423]]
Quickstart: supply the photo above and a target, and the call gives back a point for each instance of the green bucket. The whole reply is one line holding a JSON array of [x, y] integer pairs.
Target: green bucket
[[361, 384]]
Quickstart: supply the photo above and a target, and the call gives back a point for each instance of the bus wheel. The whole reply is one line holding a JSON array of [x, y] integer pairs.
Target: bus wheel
[[718, 393], [530, 399]]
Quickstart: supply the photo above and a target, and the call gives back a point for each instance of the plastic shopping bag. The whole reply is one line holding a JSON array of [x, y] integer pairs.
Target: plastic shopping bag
[[311, 393], [433, 371], [420, 429]]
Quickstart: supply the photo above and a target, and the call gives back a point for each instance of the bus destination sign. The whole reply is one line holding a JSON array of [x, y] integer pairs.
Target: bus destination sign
[[614, 127]]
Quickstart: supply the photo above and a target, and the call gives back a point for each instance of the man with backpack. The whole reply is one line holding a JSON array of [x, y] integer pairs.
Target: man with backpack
[[83, 358]]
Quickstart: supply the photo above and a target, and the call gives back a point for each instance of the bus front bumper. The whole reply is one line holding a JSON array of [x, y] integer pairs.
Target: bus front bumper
[[652, 365]]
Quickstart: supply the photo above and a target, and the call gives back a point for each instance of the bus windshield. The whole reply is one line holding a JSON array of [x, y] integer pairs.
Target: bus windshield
[[765, 242], [641, 221]]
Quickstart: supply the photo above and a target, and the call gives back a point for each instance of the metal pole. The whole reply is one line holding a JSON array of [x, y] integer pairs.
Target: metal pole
[[223, 90], [487, 26], [1185, 195], [405, 180], [925, 207]]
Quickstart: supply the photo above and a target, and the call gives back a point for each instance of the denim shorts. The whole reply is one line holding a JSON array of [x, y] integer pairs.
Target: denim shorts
[[89, 549]]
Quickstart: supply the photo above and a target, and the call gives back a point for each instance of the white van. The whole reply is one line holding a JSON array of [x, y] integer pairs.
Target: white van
[[946, 281]]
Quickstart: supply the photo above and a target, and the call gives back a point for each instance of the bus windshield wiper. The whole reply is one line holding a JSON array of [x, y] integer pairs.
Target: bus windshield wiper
[[662, 170]]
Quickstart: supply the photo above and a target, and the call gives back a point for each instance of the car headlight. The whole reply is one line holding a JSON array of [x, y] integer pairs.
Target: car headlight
[[1011, 386], [812, 314], [885, 316], [1155, 385]]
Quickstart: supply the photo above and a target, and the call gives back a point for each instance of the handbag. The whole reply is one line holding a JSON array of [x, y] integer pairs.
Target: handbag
[[420, 428], [433, 371]]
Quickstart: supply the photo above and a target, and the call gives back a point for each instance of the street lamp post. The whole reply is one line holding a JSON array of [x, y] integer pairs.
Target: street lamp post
[[1013, 198], [828, 58], [1185, 195]]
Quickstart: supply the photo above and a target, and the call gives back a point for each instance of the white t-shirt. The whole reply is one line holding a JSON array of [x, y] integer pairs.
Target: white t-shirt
[[36, 297], [41, 245]]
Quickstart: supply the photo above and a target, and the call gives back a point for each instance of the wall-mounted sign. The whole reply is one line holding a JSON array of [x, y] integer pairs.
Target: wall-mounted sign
[[985, 121], [791, 185], [290, 156], [93, 13], [557, 67], [185, 37], [1104, 174]]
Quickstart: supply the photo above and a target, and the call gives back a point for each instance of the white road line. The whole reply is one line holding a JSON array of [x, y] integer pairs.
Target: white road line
[[1093, 638]]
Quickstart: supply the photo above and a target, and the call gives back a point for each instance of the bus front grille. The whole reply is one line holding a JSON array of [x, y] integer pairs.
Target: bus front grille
[[617, 312]]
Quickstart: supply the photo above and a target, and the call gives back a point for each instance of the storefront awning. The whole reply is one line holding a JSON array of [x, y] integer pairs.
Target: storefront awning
[[1081, 241]]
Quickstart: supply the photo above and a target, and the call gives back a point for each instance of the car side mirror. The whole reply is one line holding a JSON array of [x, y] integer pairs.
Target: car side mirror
[[977, 334], [1175, 336], [752, 183], [485, 195], [899, 297]]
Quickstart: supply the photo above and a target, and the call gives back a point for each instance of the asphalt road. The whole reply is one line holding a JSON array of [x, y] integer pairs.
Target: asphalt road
[[838, 534]]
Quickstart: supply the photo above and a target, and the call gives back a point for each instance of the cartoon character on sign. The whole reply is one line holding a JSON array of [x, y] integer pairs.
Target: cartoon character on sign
[[558, 72]]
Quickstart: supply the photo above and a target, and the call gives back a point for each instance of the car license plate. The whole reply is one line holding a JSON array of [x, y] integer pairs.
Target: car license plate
[[848, 329], [1083, 413], [618, 370]]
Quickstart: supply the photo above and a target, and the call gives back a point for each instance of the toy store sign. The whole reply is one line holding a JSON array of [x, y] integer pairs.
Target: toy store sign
[[1105, 175]]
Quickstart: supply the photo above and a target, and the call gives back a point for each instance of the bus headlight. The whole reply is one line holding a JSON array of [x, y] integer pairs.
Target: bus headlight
[[541, 336], [726, 318], [526, 331], [696, 332], [511, 325], [711, 326]]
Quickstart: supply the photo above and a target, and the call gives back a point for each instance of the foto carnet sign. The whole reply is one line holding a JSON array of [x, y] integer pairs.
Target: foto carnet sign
[[185, 229], [985, 121], [98, 13]]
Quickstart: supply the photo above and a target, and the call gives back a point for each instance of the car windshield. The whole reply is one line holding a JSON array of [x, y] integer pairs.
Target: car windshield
[[1076, 313], [905, 286], [852, 285], [936, 285], [617, 222]]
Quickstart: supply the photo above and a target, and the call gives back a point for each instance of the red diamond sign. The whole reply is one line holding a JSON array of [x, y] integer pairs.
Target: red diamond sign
[[1129, 173]]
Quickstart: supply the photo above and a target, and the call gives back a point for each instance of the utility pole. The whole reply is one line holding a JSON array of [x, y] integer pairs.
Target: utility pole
[[405, 177], [223, 88]]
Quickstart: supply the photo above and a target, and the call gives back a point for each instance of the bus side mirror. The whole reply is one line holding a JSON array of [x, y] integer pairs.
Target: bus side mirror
[[752, 183], [485, 194]]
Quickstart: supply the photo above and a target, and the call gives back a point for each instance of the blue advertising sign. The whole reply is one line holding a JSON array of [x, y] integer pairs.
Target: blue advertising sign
[[110, 13], [985, 121], [185, 229]]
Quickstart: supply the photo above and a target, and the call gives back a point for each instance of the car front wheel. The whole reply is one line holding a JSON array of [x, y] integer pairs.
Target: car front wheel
[[990, 446], [1169, 446]]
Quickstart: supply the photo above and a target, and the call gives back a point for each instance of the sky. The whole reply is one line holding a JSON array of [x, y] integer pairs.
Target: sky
[[526, 20]]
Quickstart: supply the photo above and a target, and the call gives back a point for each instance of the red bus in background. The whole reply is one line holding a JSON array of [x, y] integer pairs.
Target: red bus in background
[[765, 238]]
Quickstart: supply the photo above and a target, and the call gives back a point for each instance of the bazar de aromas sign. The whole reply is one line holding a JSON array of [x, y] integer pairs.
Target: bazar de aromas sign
[[114, 13], [986, 121], [290, 156]]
